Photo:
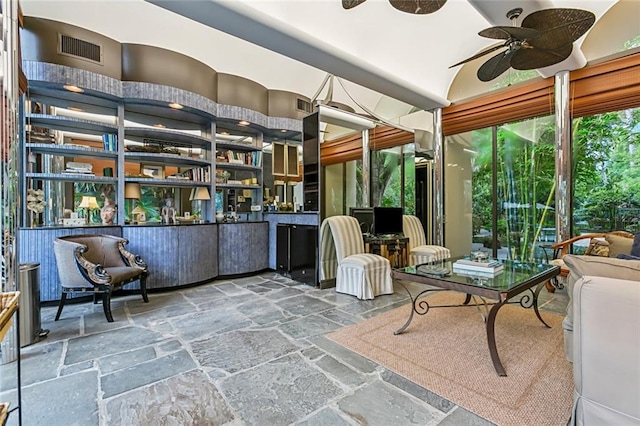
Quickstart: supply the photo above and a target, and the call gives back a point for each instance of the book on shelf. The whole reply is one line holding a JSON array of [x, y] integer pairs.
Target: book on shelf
[[79, 172], [109, 142]]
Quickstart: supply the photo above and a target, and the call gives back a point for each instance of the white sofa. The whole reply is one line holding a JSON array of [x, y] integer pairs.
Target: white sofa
[[602, 338]]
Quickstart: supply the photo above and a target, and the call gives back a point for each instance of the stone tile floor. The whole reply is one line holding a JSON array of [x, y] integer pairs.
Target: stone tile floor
[[240, 351]]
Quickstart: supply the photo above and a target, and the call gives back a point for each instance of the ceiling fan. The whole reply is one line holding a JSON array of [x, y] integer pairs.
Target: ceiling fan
[[416, 7], [545, 38]]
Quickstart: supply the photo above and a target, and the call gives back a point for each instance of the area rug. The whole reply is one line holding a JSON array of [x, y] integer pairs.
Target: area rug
[[446, 352]]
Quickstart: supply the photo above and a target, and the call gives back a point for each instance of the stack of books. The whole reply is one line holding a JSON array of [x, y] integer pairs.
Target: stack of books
[[79, 168], [489, 268]]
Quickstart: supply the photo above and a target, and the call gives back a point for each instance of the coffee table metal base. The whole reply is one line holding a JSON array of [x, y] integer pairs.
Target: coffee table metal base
[[421, 307]]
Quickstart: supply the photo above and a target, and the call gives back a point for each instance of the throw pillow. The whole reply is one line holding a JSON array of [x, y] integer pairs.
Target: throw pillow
[[628, 257], [597, 247], [635, 248], [618, 245]]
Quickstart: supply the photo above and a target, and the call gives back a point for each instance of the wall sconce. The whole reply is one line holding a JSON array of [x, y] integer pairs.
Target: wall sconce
[[88, 203]]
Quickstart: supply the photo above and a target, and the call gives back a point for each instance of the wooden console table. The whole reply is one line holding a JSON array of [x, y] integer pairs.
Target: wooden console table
[[393, 247]]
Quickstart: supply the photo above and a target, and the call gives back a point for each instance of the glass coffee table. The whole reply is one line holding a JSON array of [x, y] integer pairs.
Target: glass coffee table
[[516, 278]]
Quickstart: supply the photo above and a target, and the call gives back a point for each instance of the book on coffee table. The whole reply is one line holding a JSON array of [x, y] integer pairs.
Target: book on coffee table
[[489, 266]]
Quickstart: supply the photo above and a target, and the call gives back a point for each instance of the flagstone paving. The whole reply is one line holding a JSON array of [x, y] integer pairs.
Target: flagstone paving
[[246, 351]]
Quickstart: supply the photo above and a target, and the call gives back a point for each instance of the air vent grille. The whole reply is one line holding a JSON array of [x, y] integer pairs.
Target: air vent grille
[[303, 105], [80, 48]]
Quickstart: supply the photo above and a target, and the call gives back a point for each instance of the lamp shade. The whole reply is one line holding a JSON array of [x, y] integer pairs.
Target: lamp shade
[[89, 203], [132, 191], [200, 193]]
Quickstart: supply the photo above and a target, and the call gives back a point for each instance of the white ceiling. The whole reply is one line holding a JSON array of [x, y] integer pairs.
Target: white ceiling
[[400, 56]]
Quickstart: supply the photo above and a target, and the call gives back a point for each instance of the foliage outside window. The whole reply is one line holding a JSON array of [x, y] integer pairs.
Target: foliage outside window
[[524, 195], [606, 160]]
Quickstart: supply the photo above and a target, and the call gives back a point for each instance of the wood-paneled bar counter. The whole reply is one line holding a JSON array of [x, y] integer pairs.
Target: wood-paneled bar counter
[[176, 255], [243, 247]]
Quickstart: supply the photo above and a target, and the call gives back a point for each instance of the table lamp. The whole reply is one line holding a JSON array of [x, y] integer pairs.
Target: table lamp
[[88, 203], [199, 195], [131, 194]]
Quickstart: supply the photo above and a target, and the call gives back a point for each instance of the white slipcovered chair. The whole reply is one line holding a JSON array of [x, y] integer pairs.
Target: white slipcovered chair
[[342, 257], [419, 250]]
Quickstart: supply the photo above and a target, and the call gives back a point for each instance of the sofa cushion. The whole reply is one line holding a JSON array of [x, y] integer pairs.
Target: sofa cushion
[[580, 266], [618, 245]]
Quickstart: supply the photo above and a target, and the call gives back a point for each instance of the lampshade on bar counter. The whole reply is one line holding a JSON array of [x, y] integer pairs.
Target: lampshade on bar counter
[[132, 191], [200, 193], [88, 202]]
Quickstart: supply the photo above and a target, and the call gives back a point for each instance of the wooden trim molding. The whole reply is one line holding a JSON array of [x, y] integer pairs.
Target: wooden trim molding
[[605, 87], [349, 148], [610, 86], [524, 101]]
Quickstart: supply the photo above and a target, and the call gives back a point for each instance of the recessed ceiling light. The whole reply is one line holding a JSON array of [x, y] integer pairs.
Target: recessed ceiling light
[[175, 105], [72, 88], [243, 123], [283, 131], [224, 133], [72, 108], [160, 126]]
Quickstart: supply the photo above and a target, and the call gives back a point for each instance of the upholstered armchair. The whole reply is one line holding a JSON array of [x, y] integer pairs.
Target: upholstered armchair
[[602, 339], [419, 250], [342, 257], [97, 264]]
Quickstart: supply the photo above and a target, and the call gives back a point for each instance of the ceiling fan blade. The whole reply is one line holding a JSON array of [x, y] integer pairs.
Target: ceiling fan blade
[[505, 33], [558, 27], [418, 7], [479, 55], [529, 59], [495, 66], [349, 4]]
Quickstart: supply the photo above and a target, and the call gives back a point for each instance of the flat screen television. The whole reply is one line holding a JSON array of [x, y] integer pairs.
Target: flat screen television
[[387, 220], [365, 218]]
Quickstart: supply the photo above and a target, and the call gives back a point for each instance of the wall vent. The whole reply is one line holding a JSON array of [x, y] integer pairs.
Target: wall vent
[[72, 46], [303, 105]]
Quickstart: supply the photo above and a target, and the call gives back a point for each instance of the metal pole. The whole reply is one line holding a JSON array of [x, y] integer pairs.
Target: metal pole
[[438, 218], [564, 193], [366, 169]]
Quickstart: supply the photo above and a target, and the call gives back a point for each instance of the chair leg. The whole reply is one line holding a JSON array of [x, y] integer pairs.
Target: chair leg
[[550, 287], [106, 305], [143, 288], [95, 298], [61, 305]]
